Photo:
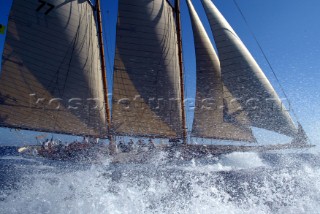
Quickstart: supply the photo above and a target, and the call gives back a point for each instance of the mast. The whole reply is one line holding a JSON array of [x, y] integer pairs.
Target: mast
[[146, 78], [103, 65], [178, 24]]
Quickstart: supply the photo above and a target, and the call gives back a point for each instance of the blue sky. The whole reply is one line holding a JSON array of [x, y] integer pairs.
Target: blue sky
[[288, 31]]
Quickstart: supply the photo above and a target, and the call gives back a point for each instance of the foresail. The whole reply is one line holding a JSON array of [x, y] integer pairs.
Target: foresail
[[244, 78], [146, 86], [51, 74], [211, 115]]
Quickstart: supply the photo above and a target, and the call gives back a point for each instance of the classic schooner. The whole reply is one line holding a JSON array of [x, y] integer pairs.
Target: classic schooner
[[53, 76]]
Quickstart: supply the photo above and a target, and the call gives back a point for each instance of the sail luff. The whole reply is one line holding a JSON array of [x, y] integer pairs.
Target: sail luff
[[209, 119], [179, 36], [146, 89], [244, 78], [51, 77]]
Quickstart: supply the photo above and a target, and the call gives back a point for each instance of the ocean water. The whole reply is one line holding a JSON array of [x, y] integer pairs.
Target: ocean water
[[286, 182]]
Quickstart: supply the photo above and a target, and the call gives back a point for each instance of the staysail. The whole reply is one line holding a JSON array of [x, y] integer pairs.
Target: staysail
[[51, 73], [146, 85], [244, 78], [209, 118]]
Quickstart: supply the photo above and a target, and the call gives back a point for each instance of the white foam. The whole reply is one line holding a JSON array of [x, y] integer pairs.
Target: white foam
[[242, 160], [196, 188]]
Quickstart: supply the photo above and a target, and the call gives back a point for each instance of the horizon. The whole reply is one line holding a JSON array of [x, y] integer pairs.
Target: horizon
[[289, 41]]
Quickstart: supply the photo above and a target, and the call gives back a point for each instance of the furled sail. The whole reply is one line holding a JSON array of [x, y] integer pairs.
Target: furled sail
[[210, 113], [244, 78], [146, 90], [51, 74]]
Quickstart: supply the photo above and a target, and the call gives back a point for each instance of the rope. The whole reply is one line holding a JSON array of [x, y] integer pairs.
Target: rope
[[267, 60], [107, 46]]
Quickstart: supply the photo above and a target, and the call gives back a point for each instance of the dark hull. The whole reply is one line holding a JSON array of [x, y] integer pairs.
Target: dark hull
[[185, 152]]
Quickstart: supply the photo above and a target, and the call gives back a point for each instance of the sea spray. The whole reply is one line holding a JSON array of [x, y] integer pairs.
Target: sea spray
[[234, 183]]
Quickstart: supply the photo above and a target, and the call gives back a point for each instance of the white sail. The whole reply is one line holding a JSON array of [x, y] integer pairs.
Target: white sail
[[146, 88], [209, 117], [51, 75], [244, 78]]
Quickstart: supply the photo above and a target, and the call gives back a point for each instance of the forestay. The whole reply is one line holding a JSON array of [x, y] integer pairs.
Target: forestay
[[51, 75], [210, 119], [244, 78], [146, 90]]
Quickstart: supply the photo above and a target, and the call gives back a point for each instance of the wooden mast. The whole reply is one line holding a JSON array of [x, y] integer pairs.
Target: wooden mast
[[103, 65], [179, 37]]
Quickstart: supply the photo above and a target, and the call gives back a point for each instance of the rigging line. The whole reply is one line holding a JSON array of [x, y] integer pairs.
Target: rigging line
[[109, 62], [55, 119], [56, 77], [266, 58], [82, 43]]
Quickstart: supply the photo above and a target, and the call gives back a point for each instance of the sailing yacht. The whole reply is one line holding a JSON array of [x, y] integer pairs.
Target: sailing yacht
[[53, 77]]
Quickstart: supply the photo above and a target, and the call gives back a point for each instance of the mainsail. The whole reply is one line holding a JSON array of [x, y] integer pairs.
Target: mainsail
[[210, 113], [51, 74], [146, 86], [244, 78]]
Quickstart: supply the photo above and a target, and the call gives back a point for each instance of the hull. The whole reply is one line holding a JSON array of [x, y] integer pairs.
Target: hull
[[93, 153]]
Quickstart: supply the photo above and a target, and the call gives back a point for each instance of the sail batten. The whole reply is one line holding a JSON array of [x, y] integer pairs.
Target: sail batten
[[146, 89], [209, 119], [245, 80], [51, 74]]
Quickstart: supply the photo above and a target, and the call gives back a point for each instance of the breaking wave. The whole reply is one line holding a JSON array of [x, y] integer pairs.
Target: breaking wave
[[233, 183]]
